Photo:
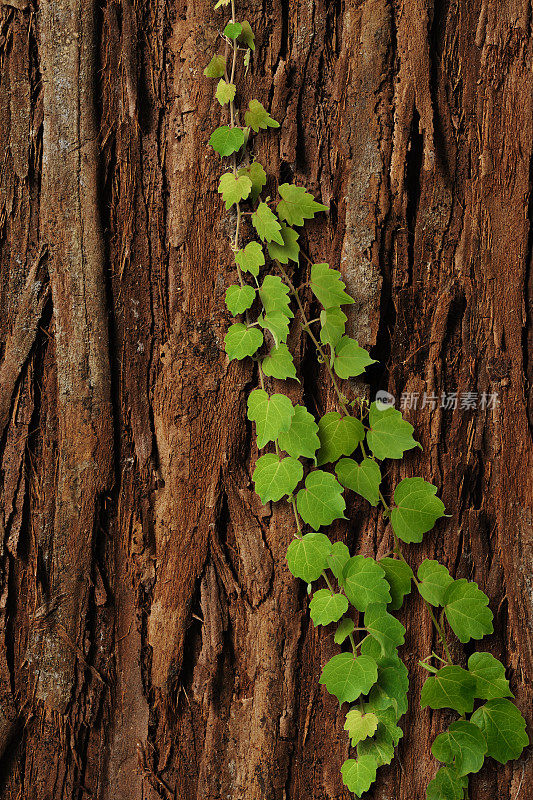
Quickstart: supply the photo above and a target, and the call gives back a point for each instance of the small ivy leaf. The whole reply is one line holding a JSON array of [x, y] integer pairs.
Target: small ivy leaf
[[251, 258], [359, 725], [364, 582], [246, 36], [233, 30], [297, 205], [489, 673], [350, 360], [257, 175], [333, 325], [327, 606], [434, 580], [391, 687], [225, 93], [339, 436], [371, 647], [466, 610], [379, 747], [307, 557], [279, 364], [387, 722], [462, 745], [358, 775], [321, 501], [226, 140], [338, 559], [275, 477], [216, 67], [222, 3], [452, 687], [233, 189], [363, 478], [398, 575], [290, 249], [301, 439], [347, 676], [417, 509], [277, 323], [257, 117], [266, 224], [241, 341], [446, 785], [384, 628], [328, 286], [239, 298], [271, 415], [275, 296], [344, 629], [503, 727], [389, 435]]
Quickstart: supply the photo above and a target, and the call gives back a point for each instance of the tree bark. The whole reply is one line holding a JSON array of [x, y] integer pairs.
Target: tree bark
[[152, 642]]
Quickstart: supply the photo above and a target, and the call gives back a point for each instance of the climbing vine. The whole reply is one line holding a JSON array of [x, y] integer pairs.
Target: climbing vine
[[311, 464]]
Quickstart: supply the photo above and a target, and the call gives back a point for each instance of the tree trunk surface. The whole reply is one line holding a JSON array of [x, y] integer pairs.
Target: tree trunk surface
[[152, 642]]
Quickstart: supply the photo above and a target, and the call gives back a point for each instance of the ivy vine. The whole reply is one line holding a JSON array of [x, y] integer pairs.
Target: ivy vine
[[356, 593]]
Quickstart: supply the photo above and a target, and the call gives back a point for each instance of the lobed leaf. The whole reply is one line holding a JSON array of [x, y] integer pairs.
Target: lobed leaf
[[489, 673], [384, 628], [275, 477], [434, 580], [466, 610], [251, 258], [358, 775], [398, 575], [350, 360], [233, 189], [503, 727], [297, 205], [289, 250], [307, 557], [379, 747], [302, 438], [279, 364], [246, 36], [359, 725], [257, 117], [239, 298], [417, 509], [391, 687], [257, 175], [338, 436], [451, 687], [271, 415], [389, 435], [226, 140], [446, 785], [266, 224], [333, 324], [462, 745], [241, 341], [327, 606], [225, 93], [348, 677], [363, 478], [321, 501], [233, 30], [338, 559], [364, 582], [216, 67], [328, 286]]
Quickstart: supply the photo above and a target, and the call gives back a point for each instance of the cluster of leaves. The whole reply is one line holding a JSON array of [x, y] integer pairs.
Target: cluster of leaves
[[312, 463]]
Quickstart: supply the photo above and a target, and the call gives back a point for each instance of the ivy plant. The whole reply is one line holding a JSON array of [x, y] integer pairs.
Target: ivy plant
[[312, 463]]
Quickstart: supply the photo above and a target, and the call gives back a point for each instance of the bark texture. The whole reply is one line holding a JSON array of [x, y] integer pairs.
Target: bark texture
[[152, 642]]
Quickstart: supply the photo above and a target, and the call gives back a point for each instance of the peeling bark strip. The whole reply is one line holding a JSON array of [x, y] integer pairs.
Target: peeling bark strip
[[71, 231]]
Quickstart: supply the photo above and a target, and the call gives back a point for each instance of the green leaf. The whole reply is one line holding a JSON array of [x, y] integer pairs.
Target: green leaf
[[321, 501], [463, 742], [271, 415], [359, 775], [384, 628], [275, 296], [503, 727], [246, 36], [290, 249], [222, 3], [434, 580], [379, 747], [363, 478], [233, 189], [275, 477], [257, 175], [301, 439], [241, 341], [327, 606], [266, 224], [251, 258], [239, 298], [344, 629], [216, 67], [446, 785], [391, 687], [452, 687], [226, 140], [339, 436], [277, 323], [387, 718], [333, 325], [364, 582], [489, 673], [338, 559], [257, 117], [296, 204], [328, 286], [417, 509], [350, 360], [347, 676], [307, 557], [466, 610], [279, 364], [389, 435], [360, 726], [233, 30], [398, 575], [225, 92]]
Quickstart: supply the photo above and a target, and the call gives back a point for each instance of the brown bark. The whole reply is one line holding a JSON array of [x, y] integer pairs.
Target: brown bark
[[152, 642]]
